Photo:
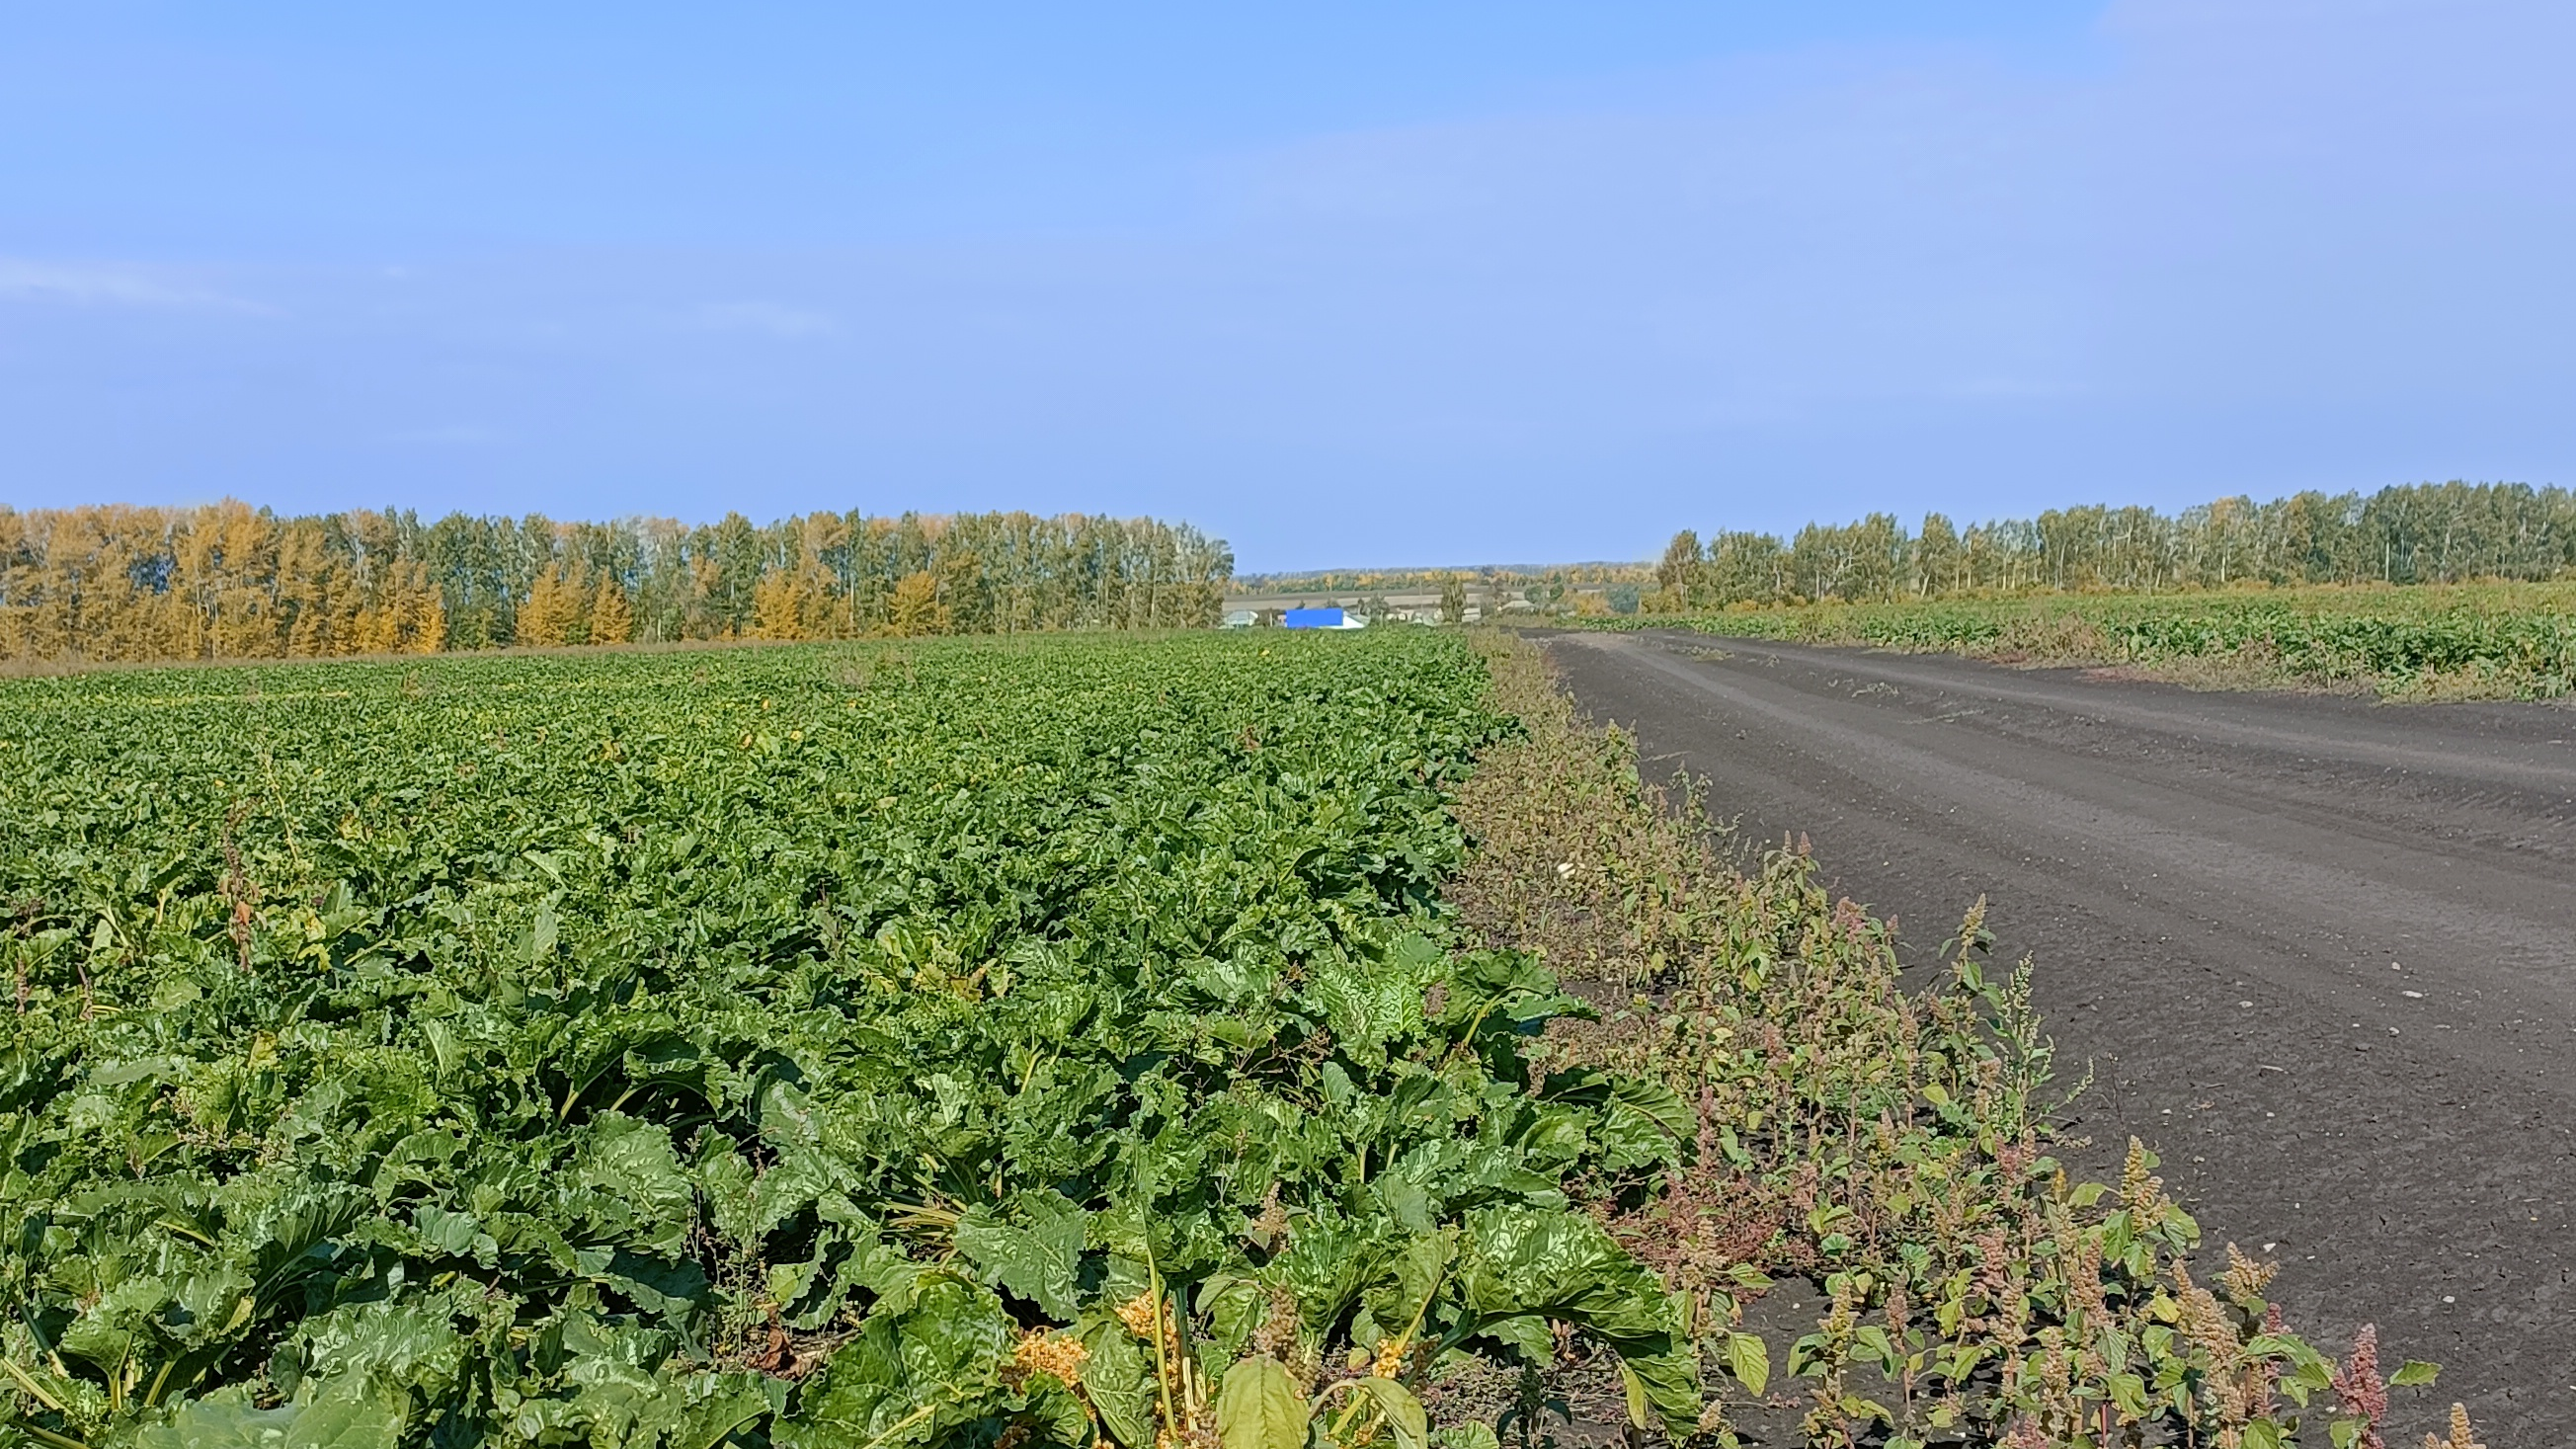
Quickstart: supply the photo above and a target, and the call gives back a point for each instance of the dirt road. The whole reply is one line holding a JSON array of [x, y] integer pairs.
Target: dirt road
[[2320, 953]]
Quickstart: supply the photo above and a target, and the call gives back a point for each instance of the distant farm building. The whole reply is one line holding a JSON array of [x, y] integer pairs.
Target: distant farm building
[[1321, 619]]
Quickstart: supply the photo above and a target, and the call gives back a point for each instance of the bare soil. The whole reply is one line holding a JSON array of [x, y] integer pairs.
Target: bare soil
[[2318, 952]]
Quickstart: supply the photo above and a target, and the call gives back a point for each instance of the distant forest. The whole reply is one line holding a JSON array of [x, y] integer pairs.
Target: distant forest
[[2417, 534], [228, 581], [1393, 580]]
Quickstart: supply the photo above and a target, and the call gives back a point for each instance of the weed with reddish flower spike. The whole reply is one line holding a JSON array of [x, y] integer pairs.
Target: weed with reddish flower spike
[[2362, 1393]]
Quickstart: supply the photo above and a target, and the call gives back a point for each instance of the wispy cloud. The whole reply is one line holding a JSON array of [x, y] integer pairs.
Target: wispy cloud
[[96, 285], [767, 318]]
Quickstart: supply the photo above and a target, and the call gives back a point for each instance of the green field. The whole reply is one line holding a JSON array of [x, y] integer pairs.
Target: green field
[[502, 1048], [2483, 641], [1061, 1042]]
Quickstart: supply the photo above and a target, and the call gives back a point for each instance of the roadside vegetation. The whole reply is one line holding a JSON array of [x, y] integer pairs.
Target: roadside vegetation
[[1255, 1040], [1848, 1139]]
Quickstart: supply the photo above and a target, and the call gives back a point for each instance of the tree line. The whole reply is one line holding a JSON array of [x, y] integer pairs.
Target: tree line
[[2411, 534], [228, 581]]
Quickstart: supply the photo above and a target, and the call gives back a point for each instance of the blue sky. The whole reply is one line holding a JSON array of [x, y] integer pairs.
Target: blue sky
[[1347, 284]]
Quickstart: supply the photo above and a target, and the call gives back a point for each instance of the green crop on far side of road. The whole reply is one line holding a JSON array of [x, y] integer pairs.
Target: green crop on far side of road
[[2467, 641]]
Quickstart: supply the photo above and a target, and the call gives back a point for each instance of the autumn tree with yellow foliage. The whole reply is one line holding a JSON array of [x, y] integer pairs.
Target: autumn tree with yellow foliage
[[916, 609], [612, 618], [552, 616]]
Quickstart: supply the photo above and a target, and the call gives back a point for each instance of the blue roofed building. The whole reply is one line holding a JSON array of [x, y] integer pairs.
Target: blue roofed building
[[1320, 619]]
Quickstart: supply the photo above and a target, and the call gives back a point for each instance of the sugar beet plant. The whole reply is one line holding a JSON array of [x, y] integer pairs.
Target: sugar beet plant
[[977, 1044]]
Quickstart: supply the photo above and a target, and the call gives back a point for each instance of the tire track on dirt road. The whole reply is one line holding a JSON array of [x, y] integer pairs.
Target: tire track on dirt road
[[2320, 953]]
